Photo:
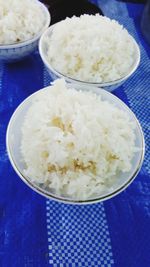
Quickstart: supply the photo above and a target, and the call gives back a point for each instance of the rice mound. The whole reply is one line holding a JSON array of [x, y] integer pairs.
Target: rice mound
[[20, 20], [91, 48], [75, 143]]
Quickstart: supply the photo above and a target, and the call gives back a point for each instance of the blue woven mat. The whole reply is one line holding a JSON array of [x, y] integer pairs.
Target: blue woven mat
[[35, 232]]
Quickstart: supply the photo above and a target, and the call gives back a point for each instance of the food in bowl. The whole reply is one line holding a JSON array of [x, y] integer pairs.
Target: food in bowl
[[90, 48], [20, 20], [75, 143]]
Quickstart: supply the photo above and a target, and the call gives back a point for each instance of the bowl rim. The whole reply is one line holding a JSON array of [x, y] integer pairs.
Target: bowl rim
[[35, 37], [62, 199], [70, 79]]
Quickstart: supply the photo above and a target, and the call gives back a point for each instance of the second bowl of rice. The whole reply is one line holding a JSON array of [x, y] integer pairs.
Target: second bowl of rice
[[75, 146], [90, 50]]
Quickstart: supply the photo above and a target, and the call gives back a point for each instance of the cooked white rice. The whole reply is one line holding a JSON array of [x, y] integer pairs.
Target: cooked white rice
[[90, 48], [20, 20], [74, 142]]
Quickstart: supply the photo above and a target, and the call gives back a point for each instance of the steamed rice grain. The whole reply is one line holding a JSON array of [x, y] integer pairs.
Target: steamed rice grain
[[75, 143]]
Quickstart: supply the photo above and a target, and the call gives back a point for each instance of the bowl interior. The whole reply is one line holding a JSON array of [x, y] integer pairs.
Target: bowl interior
[[13, 141], [43, 48]]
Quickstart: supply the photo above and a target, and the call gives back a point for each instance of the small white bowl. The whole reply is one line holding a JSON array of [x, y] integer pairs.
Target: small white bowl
[[17, 51], [109, 86], [13, 142]]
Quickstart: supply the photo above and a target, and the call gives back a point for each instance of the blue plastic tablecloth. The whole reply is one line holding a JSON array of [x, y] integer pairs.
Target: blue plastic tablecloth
[[35, 232]]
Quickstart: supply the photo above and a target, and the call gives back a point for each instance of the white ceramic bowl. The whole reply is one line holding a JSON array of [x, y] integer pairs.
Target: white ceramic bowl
[[17, 51], [109, 86], [13, 141]]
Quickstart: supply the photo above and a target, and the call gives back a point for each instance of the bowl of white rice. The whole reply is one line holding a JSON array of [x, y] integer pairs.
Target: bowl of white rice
[[89, 50], [22, 23], [75, 146]]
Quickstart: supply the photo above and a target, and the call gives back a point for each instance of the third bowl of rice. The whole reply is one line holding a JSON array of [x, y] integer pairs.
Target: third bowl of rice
[[22, 23]]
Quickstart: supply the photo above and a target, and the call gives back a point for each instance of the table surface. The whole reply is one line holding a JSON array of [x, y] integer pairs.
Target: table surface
[[35, 232]]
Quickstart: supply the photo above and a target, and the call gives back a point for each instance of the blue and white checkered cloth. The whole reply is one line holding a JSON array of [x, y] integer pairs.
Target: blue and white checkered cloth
[[35, 232]]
